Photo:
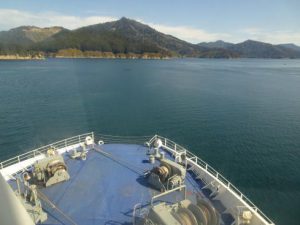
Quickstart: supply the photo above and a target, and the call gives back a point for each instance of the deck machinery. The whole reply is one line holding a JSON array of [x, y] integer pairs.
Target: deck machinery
[[49, 170], [166, 176], [84, 183], [43, 173], [182, 213]]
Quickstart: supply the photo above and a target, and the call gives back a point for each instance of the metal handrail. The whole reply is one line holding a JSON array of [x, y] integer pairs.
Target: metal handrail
[[122, 139], [137, 139], [42, 150], [209, 169]]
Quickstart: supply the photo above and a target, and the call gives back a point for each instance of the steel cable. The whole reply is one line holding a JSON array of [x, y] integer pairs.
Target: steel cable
[[52, 205]]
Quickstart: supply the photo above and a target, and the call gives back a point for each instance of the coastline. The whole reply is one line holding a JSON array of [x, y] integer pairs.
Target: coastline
[[87, 55], [18, 57], [27, 58], [76, 53], [114, 57]]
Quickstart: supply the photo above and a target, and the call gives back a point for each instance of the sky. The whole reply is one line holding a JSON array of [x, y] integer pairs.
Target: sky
[[272, 21]]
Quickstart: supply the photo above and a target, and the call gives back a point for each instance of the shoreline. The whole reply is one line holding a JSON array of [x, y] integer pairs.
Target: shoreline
[[88, 57], [18, 57], [116, 56], [75, 53], [27, 58]]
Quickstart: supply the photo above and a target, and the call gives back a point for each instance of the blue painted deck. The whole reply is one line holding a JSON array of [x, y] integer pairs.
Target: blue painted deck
[[104, 191]]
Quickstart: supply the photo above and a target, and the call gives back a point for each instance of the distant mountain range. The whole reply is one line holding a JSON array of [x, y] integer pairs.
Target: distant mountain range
[[126, 37], [256, 49]]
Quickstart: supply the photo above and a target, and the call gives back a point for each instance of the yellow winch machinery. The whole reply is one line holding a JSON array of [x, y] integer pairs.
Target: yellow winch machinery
[[50, 170]]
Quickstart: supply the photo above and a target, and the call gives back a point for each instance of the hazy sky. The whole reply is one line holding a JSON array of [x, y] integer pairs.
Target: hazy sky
[[274, 21]]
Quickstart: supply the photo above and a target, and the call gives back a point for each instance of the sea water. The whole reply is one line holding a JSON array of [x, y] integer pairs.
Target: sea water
[[241, 116]]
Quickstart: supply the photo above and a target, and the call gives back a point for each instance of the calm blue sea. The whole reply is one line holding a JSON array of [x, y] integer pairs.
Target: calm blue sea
[[242, 116]]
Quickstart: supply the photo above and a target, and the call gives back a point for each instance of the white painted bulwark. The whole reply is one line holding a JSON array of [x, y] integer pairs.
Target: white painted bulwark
[[228, 194], [21, 162], [8, 171]]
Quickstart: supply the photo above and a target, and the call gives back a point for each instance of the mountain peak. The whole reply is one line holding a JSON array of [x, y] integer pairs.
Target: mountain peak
[[249, 41], [129, 36], [290, 46], [216, 44], [220, 41], [35, 28], [29, 34], [125, 19]]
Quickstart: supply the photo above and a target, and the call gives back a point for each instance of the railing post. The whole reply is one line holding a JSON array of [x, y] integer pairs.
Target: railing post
[[175, 147], [18, 158], [165, 142], [206, 167], [217, 175], [93, 136], [1, 165], [78, 139], [65, 142]]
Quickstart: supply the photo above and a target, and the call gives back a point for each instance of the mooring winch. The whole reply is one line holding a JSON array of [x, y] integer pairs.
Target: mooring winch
[[50, 170], [167, 176], [182, 213]]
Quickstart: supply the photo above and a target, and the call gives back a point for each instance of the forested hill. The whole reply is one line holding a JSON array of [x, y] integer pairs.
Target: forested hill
[[256, 49], [124, 38]]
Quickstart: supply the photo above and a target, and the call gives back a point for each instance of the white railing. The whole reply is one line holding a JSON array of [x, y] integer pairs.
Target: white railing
[[42, 150], [140, 140], [209, 169], [112, 139]]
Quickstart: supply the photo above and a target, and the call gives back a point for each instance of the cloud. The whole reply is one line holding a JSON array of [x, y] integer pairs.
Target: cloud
[[190, 34], [10, 18], [271, 36]]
